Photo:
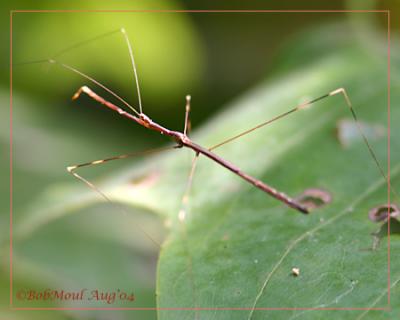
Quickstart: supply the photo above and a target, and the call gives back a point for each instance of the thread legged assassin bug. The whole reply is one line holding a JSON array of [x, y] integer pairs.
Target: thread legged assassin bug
[[182, 139]]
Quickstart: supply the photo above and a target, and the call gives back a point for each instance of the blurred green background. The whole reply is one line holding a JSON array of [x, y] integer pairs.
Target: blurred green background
[[215, 57]]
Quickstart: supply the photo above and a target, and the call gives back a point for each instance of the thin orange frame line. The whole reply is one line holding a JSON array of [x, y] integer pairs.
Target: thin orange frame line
[[388, 308], [203, 11], [388, 160], [11, 159], [196, 309]]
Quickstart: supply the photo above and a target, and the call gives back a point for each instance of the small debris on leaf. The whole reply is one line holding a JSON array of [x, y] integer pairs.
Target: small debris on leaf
[[295, 272]]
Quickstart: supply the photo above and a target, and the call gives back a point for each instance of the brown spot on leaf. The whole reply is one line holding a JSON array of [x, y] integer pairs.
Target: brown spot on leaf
[[225, 237], [314, 198], [382, 212]]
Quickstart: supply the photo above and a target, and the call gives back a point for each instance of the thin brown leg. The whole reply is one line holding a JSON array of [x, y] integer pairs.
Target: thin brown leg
[[185, 199], [182, 216], [339, 91], [72, 170], [280, 116], [186, 128]]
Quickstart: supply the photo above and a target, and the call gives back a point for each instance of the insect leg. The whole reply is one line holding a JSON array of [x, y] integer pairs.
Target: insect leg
[[72, 170], [187, 126]]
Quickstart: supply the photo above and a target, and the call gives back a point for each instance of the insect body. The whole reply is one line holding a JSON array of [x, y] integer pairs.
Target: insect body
[[182, 139]]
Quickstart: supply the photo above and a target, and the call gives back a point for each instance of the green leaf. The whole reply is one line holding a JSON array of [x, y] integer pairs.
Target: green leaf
[[238, 246]]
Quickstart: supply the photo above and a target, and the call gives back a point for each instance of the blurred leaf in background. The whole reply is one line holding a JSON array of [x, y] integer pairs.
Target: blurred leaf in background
[[239, 245]]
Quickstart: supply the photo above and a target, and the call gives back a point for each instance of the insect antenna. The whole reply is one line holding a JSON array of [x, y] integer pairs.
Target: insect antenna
[[95, 82], [84, 75], [133, 67], [84, 43]]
